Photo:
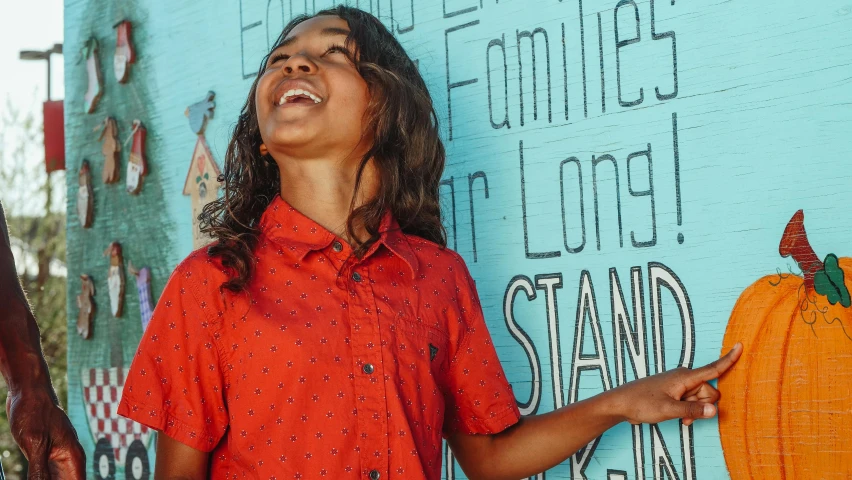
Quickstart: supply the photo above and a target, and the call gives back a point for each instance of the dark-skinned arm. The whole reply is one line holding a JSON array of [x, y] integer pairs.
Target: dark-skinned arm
[[37, 423], [539, 442], [176, 461]]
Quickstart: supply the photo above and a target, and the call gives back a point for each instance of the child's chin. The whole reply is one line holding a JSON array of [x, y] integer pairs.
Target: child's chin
[[294, 135]]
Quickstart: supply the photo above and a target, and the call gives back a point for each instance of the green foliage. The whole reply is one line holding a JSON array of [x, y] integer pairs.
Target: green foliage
[[829, 282]]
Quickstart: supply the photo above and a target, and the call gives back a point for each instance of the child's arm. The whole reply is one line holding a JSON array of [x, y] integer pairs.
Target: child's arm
[[176, 461], [539, 442]]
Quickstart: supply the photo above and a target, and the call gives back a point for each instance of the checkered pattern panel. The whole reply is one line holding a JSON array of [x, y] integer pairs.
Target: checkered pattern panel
[[102, 393]]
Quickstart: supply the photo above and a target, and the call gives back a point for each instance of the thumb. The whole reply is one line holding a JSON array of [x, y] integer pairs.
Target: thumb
[[693, 410]]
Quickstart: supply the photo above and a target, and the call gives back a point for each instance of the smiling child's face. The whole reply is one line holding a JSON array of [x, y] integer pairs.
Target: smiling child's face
[[310, 98]]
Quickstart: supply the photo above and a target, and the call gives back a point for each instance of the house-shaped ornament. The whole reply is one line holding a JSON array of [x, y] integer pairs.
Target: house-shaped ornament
[[202, 187], [202, 183]]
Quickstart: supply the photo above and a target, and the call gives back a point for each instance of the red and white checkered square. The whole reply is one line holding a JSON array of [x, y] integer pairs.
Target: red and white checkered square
[[102, 392]]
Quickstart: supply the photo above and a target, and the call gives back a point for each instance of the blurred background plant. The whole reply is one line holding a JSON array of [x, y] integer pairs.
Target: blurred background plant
[[35, 208]]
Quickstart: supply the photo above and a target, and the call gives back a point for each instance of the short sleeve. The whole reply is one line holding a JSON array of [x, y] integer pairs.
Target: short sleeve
[[478, 397], [175, 383]]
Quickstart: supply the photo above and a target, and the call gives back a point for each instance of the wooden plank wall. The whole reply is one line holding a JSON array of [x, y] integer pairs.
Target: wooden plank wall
[[649, 152]]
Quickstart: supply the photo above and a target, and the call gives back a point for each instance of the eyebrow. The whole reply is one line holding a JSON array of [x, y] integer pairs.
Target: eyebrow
[[326, 32]]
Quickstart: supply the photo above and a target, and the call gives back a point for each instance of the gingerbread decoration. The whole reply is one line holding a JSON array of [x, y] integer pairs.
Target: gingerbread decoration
[[201, 184], [110, 150], [85, 195], [93, 70], [137, 163], [143, 288], [125, 53], [86, 306], [115, 279]]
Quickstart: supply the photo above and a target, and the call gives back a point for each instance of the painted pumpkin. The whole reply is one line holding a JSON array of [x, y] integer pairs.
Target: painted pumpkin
[[786, 407]]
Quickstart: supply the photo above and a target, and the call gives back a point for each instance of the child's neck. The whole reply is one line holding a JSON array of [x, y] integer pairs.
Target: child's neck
[[322, 191]]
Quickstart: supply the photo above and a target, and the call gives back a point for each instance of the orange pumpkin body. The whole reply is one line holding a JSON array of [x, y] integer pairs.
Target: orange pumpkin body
[[786, 407]]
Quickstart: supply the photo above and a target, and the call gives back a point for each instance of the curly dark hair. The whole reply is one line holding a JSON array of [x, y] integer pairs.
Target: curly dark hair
[[407, 151]]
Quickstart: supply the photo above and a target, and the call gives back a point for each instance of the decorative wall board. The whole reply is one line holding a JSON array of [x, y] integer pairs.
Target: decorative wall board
[[619, 174]]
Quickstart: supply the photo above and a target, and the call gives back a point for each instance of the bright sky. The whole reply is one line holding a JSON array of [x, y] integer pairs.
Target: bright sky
[[30, 25]]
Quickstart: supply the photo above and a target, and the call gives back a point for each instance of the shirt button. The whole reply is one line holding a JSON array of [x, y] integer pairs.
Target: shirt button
[[357, 277], [374, 475], [368, 368], [337, 246]]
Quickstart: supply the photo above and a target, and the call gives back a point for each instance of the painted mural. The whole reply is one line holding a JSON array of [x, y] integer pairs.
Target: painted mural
[[792, 418], [620, 176]]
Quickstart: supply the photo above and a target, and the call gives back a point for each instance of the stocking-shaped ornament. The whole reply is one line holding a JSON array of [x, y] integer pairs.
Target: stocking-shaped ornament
[[85, 198], [86, 306], [93, 70], [137, 164], [115, 279], [125, 54], [110, 149]]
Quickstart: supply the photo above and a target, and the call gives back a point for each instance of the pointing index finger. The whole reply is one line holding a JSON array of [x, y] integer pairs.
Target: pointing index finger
[[717, 368]]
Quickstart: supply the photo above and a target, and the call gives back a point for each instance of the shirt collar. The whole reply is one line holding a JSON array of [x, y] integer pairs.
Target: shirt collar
[[287, 226]]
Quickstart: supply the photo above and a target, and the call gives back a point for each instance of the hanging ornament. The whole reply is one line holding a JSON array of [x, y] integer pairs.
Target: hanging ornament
[[110, 149], [125, 54], [137, 164], [93, 70], [202, 186], [115, 279], [143, 287], [200, 112], [202, 181], [85, 200], [86, 306]]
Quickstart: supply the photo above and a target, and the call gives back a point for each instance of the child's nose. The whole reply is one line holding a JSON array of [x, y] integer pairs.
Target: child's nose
[[301, 63]]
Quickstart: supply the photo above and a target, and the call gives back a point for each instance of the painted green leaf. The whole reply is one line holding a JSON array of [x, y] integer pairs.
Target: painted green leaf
[[829, 282], [198, 179]]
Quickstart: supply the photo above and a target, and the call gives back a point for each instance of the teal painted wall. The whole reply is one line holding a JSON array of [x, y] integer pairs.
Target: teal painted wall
[[739, 110]]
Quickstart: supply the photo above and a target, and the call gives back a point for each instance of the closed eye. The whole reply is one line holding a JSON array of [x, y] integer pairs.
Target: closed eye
[[333, 48], [276, 57], [337, 48]]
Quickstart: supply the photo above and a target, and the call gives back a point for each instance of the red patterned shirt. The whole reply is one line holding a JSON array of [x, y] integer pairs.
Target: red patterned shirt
[[321, 369]]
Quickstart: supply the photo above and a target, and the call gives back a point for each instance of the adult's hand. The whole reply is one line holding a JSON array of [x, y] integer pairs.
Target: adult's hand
[[38, 424], [45, 435]]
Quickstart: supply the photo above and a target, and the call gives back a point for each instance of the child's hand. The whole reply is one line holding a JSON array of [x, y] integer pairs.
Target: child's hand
[[679, 393]]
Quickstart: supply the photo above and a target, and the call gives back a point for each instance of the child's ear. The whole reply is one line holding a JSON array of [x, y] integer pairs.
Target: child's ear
[[263, 150]]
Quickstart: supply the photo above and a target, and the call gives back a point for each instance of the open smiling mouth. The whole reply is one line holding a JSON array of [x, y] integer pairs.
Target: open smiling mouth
[[298, 97]]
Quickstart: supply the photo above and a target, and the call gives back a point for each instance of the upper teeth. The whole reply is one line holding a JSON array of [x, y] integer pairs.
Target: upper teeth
[[298, 91]]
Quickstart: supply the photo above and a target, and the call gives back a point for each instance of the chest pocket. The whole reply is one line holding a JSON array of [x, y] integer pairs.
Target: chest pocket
[[420, 346]]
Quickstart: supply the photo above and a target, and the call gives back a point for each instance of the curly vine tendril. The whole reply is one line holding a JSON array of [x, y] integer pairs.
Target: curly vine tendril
[[781, 278], [815, 312]]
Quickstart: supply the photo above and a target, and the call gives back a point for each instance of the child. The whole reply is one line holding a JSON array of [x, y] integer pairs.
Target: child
[[328, 332]]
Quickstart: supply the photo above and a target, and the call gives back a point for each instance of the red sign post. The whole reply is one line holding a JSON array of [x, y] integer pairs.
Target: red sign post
[[54, 136]]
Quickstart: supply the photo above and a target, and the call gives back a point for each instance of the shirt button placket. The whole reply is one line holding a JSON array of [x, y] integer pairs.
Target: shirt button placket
[[366, 347]]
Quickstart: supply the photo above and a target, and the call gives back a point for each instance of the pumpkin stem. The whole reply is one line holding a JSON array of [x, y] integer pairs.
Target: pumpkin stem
[[794, 242]]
